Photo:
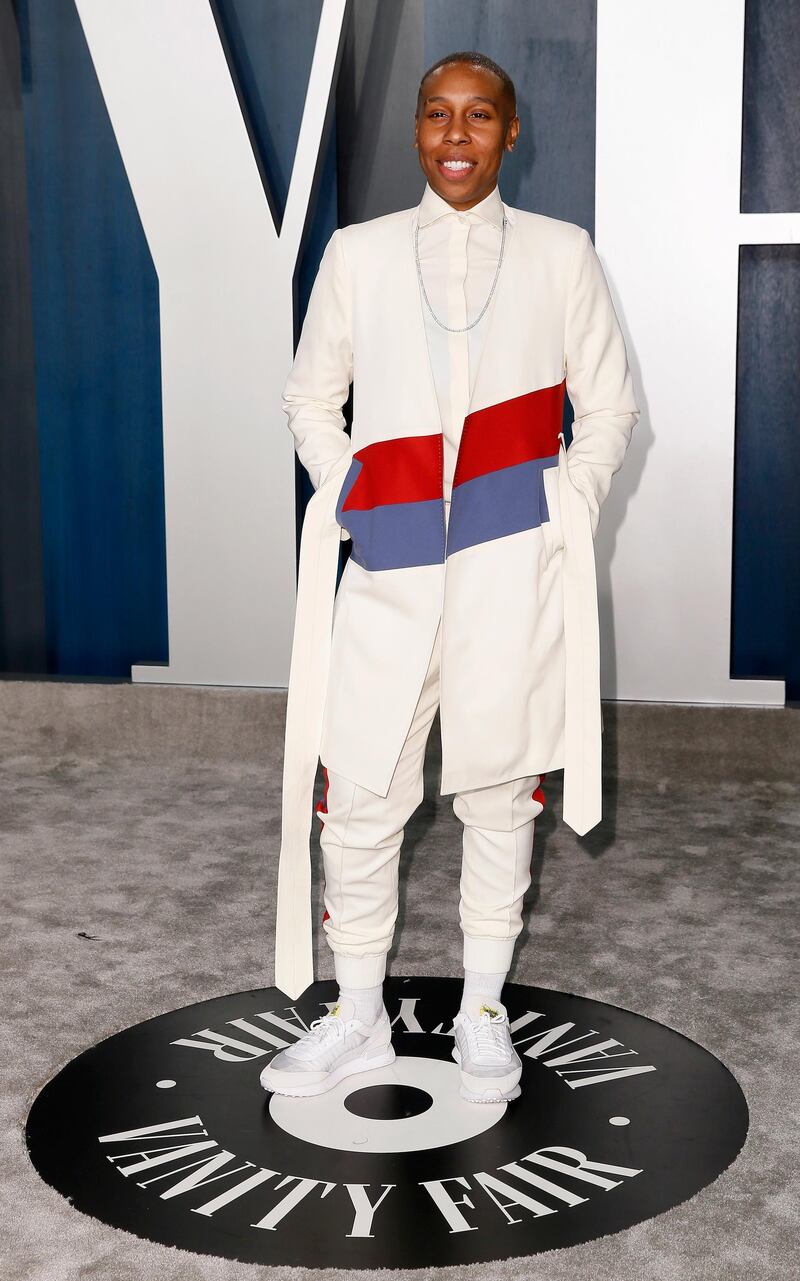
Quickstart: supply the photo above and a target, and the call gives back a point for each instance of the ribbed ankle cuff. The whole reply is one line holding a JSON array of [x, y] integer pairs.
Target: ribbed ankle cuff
[[490, 956], [360, 971]]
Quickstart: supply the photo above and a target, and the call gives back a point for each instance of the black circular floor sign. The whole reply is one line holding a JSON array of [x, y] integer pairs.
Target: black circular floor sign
[[164, 1130]]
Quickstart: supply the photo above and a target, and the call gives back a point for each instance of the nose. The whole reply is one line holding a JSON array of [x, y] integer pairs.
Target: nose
[[457, 131]]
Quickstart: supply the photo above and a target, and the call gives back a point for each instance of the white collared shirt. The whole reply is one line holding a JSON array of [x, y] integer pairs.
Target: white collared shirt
[[458, 252]]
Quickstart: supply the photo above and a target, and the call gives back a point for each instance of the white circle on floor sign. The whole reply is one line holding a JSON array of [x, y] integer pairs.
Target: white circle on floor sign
[[325, 1120]]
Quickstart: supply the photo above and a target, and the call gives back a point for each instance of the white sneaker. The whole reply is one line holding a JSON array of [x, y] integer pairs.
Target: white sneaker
[[336, 1045], [490, 1066]]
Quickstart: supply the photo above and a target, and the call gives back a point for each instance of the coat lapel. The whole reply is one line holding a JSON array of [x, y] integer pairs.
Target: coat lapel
[[415, 311]]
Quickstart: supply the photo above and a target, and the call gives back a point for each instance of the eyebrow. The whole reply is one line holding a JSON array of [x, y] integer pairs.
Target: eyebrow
[[475, 98]]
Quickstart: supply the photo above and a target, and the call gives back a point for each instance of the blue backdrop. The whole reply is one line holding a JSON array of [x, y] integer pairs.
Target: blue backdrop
[[82, 552]]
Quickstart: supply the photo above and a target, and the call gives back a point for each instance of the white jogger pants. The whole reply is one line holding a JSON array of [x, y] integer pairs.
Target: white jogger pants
[[361, 835]]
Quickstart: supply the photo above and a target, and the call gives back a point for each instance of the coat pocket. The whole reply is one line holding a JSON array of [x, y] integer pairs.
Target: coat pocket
[[552, 524]]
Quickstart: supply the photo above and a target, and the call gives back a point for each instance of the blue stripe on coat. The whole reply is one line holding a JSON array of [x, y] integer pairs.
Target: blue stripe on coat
[[498, 503], [392, 535]]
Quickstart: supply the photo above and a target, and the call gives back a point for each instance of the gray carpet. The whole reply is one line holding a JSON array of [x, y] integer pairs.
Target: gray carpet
[[140, 833]]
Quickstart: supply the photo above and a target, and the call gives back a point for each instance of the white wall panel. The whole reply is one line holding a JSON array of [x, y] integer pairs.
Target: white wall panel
[[226, 327], [668, 229]]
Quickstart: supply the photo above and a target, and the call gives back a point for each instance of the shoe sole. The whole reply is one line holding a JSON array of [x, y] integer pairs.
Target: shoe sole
[[491, 1096], [475, 1091], [351, 1068]]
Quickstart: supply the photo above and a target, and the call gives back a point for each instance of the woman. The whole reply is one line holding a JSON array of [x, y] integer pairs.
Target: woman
[[470, 586]]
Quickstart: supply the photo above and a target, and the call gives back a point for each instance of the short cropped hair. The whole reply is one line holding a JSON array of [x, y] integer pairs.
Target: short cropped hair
[[474, 59]]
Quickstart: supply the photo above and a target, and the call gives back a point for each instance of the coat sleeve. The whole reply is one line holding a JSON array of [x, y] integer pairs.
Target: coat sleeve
[[599, 381], [319, 381]]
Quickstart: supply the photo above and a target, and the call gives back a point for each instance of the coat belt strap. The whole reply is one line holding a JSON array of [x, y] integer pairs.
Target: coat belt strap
[[582, 805], [320, 540]]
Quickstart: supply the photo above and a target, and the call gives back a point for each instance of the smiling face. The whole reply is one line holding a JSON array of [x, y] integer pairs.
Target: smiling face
[[464, 125]]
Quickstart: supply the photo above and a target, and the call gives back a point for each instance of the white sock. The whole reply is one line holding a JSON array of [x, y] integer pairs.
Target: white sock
[[367, 1000], [482, 984]]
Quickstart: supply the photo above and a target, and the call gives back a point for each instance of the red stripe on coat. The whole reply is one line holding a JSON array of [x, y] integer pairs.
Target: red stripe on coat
[[512, 431], [407, 469]]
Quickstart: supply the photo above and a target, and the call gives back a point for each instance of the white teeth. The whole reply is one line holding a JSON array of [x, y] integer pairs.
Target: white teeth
[[457, 164]]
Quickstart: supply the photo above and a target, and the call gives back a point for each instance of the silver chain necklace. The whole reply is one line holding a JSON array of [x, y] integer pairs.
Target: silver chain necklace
[[458, 329]]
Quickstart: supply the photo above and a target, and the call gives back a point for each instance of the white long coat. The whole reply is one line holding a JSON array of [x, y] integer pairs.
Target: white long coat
[[513, 577]]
